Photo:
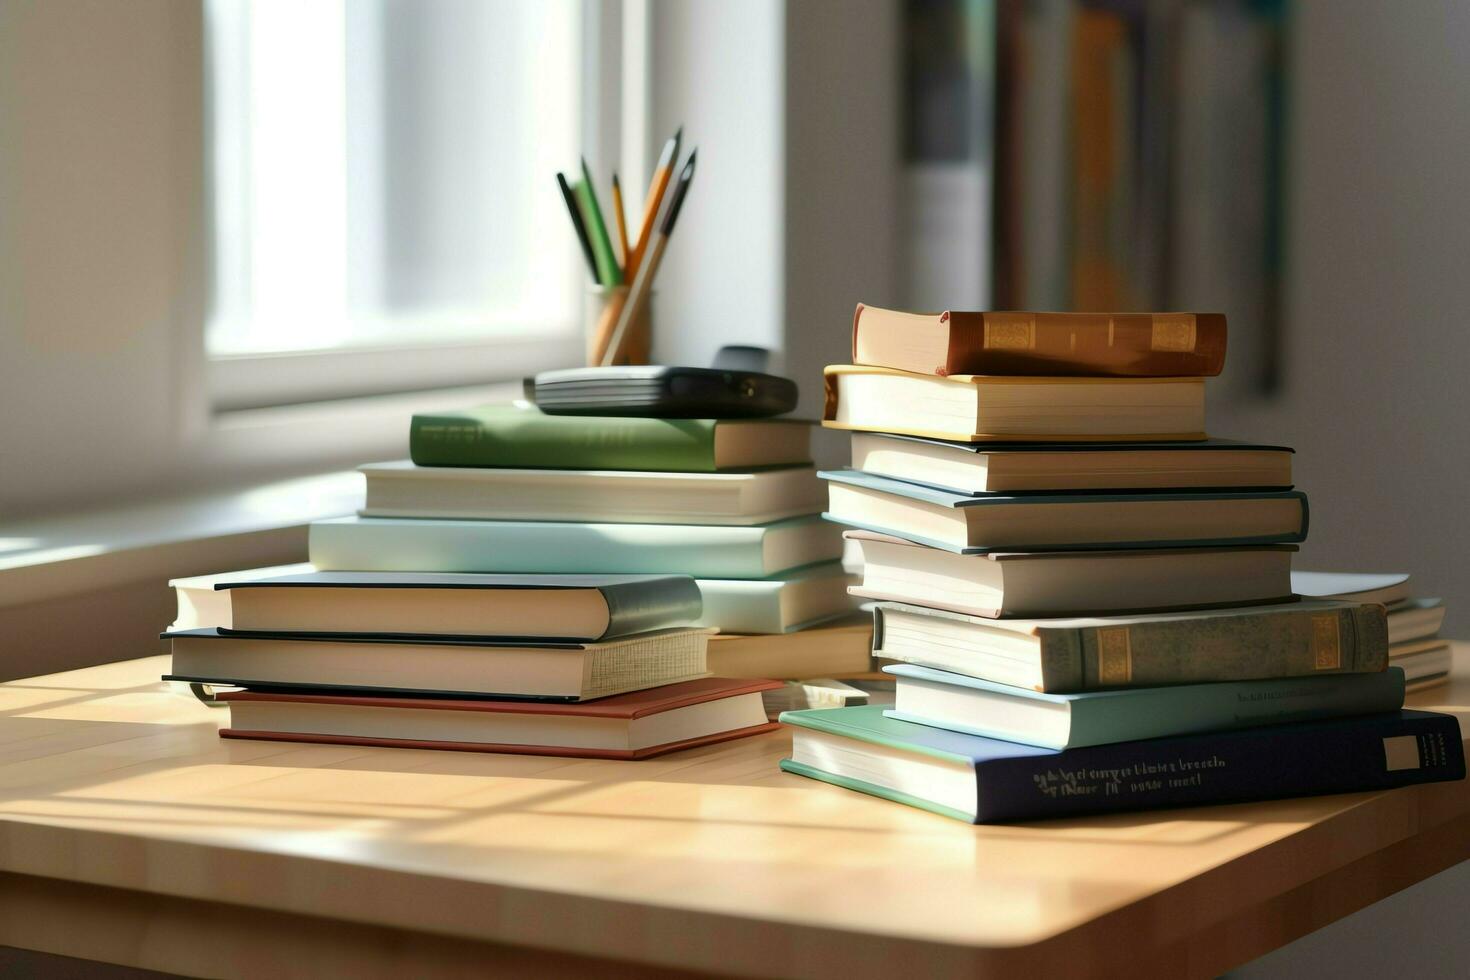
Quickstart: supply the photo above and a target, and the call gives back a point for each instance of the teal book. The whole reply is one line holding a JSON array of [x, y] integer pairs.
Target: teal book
[[523, 437], [986, 780], [1311, 638], [1029, 522], [386, 544], [958, 703]]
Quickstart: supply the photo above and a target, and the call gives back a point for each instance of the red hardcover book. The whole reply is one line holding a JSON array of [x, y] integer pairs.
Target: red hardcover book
[[636, 725]]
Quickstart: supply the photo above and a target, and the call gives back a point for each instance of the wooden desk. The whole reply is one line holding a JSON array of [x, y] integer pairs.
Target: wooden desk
[[130, 833]]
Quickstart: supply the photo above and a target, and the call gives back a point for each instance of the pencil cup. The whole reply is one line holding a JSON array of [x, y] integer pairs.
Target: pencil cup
[[600, 311]]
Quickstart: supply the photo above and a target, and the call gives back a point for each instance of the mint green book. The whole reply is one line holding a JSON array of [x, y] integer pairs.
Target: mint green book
[[523, 437], [388, 544], [783, 603], [958, 703]]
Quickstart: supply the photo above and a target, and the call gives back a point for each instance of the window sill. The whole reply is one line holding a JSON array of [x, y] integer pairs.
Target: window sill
[[72, 554], [245, 445], [240, 382]]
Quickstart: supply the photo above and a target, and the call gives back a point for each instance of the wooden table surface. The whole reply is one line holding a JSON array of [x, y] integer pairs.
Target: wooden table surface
[[130, 833]]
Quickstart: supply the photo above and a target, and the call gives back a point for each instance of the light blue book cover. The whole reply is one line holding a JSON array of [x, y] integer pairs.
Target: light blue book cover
[[782, 603], [1105, 717], [700, 551]]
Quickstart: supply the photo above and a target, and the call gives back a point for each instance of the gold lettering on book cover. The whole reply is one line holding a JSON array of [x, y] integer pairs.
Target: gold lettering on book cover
[[1010, 331], [1114, 656], [1173, 333], [1326, 651]]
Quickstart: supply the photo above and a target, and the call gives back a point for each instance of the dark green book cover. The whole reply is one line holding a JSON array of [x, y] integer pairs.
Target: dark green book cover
[[514, 436]]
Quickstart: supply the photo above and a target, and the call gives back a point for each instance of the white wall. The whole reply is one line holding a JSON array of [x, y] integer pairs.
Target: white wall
[[1376, 398], [98, 249], [842, 233], [103, 275], [717, 72]]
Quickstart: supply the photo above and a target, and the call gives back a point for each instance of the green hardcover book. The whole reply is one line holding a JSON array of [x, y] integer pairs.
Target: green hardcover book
[[958, 703], [1060, 656], [521, 436]]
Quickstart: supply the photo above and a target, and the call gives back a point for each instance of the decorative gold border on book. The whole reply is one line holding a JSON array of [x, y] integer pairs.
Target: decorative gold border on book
[[1114, 656], [1326, 647]]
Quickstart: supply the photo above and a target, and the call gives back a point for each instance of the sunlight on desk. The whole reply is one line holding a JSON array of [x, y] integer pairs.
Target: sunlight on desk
[[108, 776]]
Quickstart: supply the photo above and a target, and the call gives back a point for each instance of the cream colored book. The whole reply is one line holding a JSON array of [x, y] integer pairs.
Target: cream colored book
[[480, 668], [972, 408], [840, 649]]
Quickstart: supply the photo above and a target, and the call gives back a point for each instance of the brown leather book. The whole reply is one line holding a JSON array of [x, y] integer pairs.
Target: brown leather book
[[1123, 345]]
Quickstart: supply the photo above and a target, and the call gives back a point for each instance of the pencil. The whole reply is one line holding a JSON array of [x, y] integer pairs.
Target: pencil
[[638, 294], [577, 225], [617, 206], [661, 175], [608, 271]]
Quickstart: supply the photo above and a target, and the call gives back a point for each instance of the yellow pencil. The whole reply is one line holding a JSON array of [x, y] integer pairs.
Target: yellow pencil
[[617, 203], [661, 175]]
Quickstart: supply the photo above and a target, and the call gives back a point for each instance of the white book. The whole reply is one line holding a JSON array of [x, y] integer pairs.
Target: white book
[[1063, 521], [1422, 661], [300, 599], [402, 489], [1072, 583], [516, 669], [1386, 588], [968, 468], [780, 604], [1415, 619]]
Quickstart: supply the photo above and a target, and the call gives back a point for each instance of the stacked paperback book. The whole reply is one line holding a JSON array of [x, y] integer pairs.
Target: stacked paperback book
[[1090, 602], [540, 583]]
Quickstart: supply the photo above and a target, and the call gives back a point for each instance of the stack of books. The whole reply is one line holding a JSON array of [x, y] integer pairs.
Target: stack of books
[[1090, 602], [541, 583], [732, 503], [1414, 643], [589, 665]]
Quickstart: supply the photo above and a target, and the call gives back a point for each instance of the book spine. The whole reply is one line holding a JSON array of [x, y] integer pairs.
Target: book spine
[[1227, 648], [1062, 661], [745, 607], [637, 607], [368, 545], [1354, 755], [1161, 711], [1117, 345], [686, 446]]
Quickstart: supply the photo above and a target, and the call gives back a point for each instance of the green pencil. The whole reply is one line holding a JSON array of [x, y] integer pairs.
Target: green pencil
[[608, 272]]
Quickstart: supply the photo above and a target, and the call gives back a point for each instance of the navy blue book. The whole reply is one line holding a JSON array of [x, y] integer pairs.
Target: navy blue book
[[987, 522], [984, 780]]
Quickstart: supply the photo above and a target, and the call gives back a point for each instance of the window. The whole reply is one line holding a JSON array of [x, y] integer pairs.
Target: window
[[384, 214]]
